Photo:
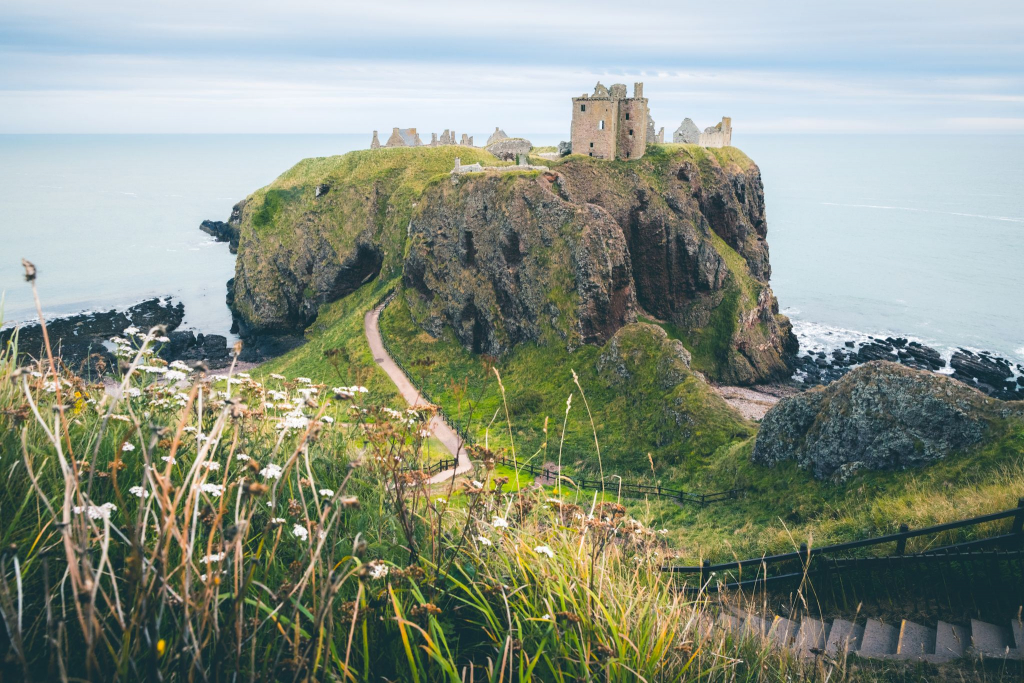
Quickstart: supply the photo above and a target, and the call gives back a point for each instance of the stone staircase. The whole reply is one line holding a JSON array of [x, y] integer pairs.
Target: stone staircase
[[945, 642]]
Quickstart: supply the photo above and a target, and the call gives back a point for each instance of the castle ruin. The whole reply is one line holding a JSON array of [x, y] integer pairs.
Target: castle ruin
[[719, 135], [408, 137], [610, 125]]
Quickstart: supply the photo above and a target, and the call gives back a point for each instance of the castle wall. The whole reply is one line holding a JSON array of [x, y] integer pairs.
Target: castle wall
[[632, 129], [587, 136]]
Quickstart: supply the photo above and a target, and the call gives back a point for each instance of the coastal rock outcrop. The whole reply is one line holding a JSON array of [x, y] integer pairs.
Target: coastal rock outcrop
[[879, 416], [567, 256]]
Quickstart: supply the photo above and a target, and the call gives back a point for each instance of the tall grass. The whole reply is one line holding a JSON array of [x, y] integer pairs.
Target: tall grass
[[172, 525]]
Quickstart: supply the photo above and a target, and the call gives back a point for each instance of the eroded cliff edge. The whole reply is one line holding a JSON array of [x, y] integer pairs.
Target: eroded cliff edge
[[568, 257]]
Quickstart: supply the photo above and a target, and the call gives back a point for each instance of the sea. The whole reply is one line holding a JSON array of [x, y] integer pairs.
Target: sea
[[919, 236]]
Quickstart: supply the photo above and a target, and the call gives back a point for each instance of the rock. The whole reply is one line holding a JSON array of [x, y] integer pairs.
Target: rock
[[983, 368], [321, 190], [509, 149], [564, 148], [226, 231], [882, 415], [81, 340], [875, 351]]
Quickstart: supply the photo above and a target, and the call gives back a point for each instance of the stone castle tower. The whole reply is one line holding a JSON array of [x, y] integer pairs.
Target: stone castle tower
[[610, 125]]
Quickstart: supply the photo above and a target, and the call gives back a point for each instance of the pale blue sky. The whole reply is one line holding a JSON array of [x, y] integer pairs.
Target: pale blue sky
[[113, 66]]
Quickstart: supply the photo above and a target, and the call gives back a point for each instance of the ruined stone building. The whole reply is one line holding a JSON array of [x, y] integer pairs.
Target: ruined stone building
[[657, 138], [402, 137], [719, 135], [497, 135], [610, 125], [687, 133]]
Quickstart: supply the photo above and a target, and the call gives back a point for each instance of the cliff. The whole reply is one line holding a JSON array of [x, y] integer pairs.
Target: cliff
[[565, 257]]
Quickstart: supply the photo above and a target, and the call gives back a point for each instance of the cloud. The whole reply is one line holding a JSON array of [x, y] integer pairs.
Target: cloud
[[311, 66]]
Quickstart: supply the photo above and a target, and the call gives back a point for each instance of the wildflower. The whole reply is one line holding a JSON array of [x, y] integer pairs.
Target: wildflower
[[441, 500], [241, 456], [377, 570], [212, 466], [180, 365], [131, 330], [544, 550], [190, 429], [477, 484], [483, 540], [96, 511], [121, 418], [276, 521], [271, 471], [300, 532], [214, 490], [304, 380], [152, 369], [133, 392], [139, 492], [327, 493], [175, 375], [424, 433], [327, 419], [216, 557], [547, 617], [168, 459], [499, 523], [243, 375], [127, 447], [274, 375]]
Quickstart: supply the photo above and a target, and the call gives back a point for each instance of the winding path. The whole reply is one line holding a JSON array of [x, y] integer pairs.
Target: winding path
[[445, 434]]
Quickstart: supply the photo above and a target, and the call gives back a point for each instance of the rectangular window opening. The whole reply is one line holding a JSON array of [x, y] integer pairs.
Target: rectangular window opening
[[591, 154], [631, 131], [627, 117], [602, 124], [583, 107], [591, 144]]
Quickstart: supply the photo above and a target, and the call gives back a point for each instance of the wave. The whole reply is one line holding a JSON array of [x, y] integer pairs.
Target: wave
[[945, 213]]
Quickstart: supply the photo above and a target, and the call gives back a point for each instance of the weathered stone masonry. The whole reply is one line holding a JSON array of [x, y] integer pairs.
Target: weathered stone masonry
[[610, 125]]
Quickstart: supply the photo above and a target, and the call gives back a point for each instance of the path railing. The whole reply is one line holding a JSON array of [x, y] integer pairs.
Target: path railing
[[627, 489], [436, 468], [786, 568]]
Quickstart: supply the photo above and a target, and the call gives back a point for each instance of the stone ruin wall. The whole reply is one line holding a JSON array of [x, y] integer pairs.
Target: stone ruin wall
[[612, 106]]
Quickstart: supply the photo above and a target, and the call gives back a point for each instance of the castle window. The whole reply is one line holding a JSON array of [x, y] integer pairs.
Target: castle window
[[591, 144], [602, 124], [591, 154], [631, 131], [627, 117], [583, 107]]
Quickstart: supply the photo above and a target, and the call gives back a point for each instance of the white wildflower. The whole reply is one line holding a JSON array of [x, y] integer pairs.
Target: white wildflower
[[544, 550], [271, 471], [180, 365], [139, 492], [300, 532], [212, 466], [168, 459], [214, 490], [216, 557], [133, 392], [243, 375], [477, 484], [96, 511], [499, 523], [327, 493], [152, 369], [278, 520], [131, 330], [482, 540], [377, 570], [127, 447], [274, 375], [241, 456], [304, 380], [327, 419], [175, 375]]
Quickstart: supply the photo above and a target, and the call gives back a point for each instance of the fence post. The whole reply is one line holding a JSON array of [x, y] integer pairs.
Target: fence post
[[705, 570], [1018, 519], [901, 545]]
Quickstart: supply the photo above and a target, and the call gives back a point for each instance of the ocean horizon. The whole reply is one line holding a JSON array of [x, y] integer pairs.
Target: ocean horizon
[[916, 236]]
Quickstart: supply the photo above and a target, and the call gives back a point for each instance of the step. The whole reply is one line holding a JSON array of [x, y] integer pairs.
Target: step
[[879, 639], [989, 639], [782, 632], [813, 634], [844, 636], [951, 640], [915, 640], [729, 623], [755, 625]]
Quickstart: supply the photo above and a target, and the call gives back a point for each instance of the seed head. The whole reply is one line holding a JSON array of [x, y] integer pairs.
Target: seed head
[[30, 270]]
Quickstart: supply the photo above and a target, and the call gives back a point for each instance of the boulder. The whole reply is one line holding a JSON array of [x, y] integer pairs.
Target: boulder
[[564, 148], [881, 415]]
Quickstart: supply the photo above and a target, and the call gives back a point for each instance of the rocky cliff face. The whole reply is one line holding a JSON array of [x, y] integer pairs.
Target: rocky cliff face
[[568, 256], [591, 245], [880, 416]]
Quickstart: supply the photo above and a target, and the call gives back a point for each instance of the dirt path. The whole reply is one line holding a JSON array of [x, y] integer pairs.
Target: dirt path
[[755, 402], [445, 434]]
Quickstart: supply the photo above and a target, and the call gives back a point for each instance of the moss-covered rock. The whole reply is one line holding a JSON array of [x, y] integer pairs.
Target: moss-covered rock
[[880, 416]]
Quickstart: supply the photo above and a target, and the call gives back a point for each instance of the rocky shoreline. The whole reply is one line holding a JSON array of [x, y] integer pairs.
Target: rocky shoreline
[[991, 374], [82, 340]]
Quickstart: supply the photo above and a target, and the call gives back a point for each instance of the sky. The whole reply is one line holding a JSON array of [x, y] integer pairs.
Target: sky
[[303, 66]]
